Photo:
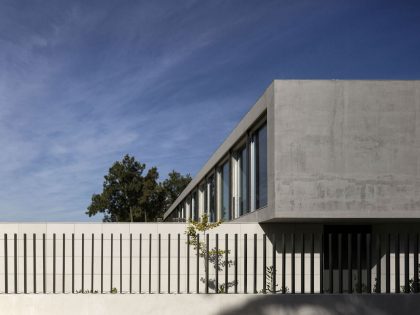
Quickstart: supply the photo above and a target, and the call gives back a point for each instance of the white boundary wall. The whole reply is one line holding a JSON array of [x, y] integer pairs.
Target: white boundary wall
[[153, 230], [123, 231]]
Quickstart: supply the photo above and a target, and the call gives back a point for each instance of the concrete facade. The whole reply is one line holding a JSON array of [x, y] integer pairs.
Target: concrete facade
[[347, 149], [336, 150]]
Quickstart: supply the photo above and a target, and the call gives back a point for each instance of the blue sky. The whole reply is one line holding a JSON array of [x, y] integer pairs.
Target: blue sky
[[84, 82]]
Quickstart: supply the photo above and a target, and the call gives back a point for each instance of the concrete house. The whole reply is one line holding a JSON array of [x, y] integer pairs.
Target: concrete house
[[316, 151], [338, 159], [318, 189]]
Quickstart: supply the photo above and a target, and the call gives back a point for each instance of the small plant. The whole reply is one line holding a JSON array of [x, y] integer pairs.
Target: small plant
[[412, 286], [270, 286], [375, 288], [215, 257], [361, 287], [86, 292], [114, 291]]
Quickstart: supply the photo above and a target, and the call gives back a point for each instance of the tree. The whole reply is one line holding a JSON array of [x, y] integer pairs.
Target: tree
[[122, 198], [130, 196], [152, 199], [173, 186]]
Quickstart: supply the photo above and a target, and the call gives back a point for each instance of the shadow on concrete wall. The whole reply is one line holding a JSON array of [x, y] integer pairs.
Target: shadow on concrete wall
[[328, 305]]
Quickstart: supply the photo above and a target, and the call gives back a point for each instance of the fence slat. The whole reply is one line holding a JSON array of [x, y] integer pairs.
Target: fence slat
[[150, 263], [302, 265], [131, 264], [349, 263], [121, 286], [34, 259], [283, 265], [92, 273], [159, 261], [236, 263], [407, 265], [6, 271], [54, 263], [169, 263], [64, 265], [330, 266], [207, 263], [378, 264], [264, 263], [72, 263], [102, 263], [255, 263], [245, 263], [198, 265], [368, 264], [293, 263], [140, 259], [321, 264], [340, 264], [388, 264], [416, 264], [83, 263], [397, 263], [188, 264], [44, 287], [312, 264], [15, 263], [274, 280], [359, 263], [112, 262], [25, 274], [216, 266], [226, 263], [179, 265]]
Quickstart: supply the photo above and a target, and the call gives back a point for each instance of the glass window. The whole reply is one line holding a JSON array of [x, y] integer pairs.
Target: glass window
[[202, 200], [195, 206], [242, 164], [261, 167], [183, 211], [225, 192], [189, 207], [206, 199], [211, 198]]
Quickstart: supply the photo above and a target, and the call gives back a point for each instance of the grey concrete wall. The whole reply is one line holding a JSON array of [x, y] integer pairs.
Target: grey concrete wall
[[89, 304], [347, 149]]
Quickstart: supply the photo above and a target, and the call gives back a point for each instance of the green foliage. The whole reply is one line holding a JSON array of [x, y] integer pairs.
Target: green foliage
[[114, 291], [270, 286], [130, 194], [413, 287], [173, 186], [86, 292], [360, 287], [194, 228], [215, 257]]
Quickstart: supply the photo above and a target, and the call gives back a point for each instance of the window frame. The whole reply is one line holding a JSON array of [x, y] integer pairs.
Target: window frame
[[225, 160]]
